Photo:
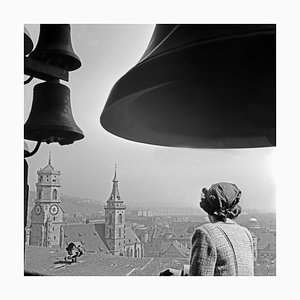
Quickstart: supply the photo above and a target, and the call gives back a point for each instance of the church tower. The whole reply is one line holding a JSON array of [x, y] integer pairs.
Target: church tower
[[47, 214], [115, 220]]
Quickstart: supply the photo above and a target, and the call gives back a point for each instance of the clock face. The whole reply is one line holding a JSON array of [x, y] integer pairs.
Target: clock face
[[53, 209], [38, 209]]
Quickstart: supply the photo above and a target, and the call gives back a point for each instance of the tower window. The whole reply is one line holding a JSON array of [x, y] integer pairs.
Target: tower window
[[120, 218], [110, 219], [54, 194], [120, 232]]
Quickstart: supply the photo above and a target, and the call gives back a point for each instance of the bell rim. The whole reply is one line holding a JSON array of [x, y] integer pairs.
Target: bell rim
[[129, 128], [74, 59]]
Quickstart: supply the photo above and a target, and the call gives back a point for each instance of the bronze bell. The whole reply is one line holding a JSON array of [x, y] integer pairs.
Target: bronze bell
[[54, 47], [28, 44], [51, 118], [199, 86]]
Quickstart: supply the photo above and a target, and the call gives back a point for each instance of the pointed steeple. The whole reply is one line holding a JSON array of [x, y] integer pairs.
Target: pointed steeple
[[49, 167], [115, 194], [115, 177]]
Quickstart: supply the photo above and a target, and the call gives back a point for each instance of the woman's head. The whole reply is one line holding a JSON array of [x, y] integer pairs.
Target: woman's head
[[221, 200]]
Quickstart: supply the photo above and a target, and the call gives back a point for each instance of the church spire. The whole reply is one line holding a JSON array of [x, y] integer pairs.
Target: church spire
[[115, 194], [115, 177]]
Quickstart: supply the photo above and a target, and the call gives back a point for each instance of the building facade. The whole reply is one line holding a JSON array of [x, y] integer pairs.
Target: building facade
[[115, 220], [47, 214], [120, 239]]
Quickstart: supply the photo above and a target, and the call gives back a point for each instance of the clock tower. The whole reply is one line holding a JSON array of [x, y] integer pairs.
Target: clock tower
[[47, 214], [115, 220]]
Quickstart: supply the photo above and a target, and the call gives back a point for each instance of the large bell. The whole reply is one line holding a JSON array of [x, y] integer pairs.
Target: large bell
[[51, 118], [54, 47], [199, 86]]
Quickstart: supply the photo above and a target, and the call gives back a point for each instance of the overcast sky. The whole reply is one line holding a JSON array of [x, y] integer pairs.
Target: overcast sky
[[150, 175]]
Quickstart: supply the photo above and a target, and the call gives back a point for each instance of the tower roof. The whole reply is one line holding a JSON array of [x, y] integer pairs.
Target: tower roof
[[49, 168], [115, 194]]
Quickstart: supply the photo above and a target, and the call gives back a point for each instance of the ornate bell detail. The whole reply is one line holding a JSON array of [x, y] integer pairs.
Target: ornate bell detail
[[51, 118], [199, 86], [28, 44], [54, 47]]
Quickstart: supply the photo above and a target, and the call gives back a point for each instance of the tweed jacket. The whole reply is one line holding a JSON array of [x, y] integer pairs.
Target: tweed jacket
[[222, 249]]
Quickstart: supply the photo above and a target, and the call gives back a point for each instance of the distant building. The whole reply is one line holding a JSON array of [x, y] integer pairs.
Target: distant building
[[266, 245], [86, 234], [48, 229], [115, 220], [175, 249], [47, 214], [264, 240], [121, 240], [142, 213]]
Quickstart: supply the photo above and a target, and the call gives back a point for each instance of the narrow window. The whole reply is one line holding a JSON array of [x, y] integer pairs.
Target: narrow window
[[120, 219]]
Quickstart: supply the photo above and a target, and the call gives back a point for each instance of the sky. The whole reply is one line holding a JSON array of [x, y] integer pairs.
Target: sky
[[148, 175]]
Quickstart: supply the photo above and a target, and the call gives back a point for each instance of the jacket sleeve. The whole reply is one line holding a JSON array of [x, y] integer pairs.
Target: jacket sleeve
[[203, 254]]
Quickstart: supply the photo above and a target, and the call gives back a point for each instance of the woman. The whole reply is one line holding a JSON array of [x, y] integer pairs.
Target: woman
[[222, 247]]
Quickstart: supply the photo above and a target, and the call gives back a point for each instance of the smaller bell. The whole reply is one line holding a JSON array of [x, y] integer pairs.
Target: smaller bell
[[55, 47], [28, 44], [51, 118]]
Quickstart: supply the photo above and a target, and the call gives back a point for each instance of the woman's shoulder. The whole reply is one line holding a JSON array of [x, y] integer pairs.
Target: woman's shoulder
[[206, 228], [215, 227]]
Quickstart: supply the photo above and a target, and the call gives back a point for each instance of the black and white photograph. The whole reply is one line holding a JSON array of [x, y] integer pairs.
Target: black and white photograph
[[161, 142], [174, 176]]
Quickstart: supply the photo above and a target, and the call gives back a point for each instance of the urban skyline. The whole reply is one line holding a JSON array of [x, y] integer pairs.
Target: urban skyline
[[144, 240], [134, 201]]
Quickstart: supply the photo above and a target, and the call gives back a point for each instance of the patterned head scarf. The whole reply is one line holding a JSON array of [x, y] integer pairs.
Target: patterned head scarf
[[221, 200]]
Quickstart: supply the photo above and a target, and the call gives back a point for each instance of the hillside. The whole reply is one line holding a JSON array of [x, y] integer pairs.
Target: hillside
[[72, 205]]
